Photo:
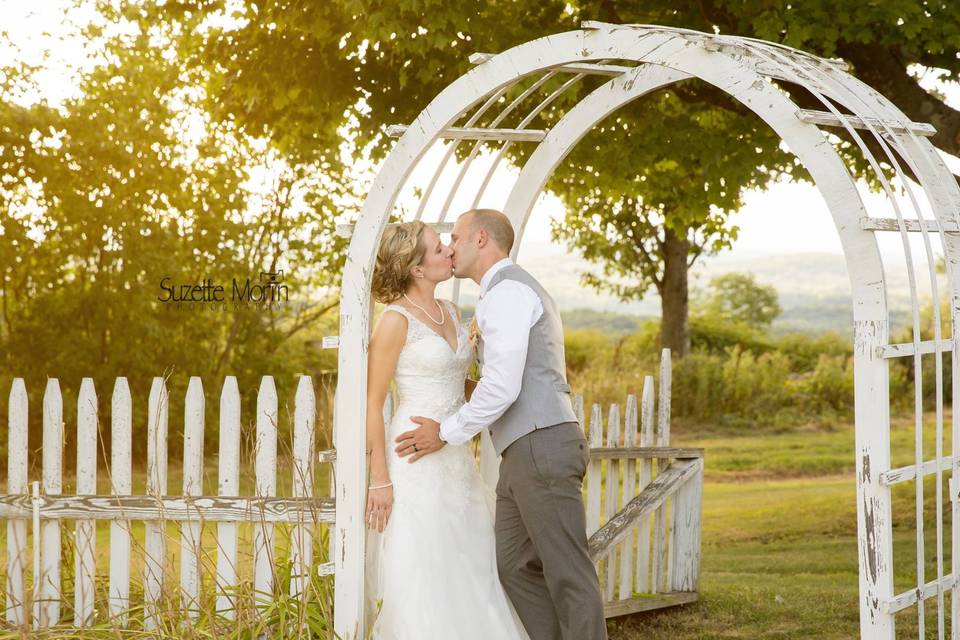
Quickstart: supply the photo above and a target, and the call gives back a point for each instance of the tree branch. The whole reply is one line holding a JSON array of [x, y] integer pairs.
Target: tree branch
[[313, 317], [638, 242], [881, 68]]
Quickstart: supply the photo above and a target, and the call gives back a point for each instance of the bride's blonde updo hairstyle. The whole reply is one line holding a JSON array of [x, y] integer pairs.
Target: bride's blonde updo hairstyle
[[401, 249]]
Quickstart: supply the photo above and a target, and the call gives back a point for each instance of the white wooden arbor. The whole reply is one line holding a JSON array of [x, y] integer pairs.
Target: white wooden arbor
[[640, 59]]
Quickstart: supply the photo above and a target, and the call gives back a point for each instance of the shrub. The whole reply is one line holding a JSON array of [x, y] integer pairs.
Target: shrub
[[735, 376]]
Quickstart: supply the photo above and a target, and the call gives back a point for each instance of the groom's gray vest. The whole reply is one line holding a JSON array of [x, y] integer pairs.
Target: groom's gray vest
[[544, 399]]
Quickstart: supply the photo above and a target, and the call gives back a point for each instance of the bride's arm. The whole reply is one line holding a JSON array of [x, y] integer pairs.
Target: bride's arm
[[385, 347]]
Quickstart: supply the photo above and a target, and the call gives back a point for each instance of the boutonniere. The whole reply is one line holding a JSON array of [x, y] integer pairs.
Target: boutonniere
[[473, 334]]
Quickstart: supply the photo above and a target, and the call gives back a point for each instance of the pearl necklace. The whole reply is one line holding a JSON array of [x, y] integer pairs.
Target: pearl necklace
[[443, 318]]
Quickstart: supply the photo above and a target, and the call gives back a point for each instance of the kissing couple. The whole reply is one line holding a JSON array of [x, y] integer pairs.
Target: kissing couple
[[445, 561]]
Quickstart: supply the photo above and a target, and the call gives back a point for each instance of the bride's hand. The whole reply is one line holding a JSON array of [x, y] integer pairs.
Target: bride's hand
[[379, 506]]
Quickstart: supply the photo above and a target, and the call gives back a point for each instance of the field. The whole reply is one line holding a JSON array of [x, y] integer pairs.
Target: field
[[779, 540]]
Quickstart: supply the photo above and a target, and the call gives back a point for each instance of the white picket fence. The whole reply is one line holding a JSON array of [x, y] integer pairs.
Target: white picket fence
[[643, 502], [48, 509]]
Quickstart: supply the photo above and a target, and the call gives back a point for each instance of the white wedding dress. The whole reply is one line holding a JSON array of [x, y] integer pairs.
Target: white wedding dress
[[434, 567]]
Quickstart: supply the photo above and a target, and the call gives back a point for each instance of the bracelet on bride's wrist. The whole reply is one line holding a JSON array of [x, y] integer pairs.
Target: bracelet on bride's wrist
[[381, 486]]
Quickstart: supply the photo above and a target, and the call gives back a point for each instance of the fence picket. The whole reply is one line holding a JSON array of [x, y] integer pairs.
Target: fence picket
[[191, 532], [229, 485], [35, 533], [265, 470], [47, 586], [121, 484], [155, 544], [646, 440], [611, 505], [302, 538], [593, 471], [662, 518], [86, 533], [685, 545], [17, 484], [629, 491]]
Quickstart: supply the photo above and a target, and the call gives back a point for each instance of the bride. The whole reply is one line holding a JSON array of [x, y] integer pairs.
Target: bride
[[431, 560]]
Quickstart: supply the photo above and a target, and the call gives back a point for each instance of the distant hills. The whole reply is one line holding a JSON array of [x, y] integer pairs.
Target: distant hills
[[814, 290]]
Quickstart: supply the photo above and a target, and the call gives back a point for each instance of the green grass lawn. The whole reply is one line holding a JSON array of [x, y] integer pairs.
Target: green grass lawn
[[779, 552]]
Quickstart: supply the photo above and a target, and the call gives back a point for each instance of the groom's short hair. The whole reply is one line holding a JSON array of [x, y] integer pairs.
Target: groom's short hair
[[496, 224]]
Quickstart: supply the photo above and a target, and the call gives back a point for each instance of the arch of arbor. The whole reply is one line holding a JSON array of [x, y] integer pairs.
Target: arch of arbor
[[639, 60]]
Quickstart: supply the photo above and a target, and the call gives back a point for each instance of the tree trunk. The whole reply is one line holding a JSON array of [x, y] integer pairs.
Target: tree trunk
[[674, 299]]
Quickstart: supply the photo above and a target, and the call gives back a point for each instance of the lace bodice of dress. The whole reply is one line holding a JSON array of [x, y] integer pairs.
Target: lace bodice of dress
[[429, 372]]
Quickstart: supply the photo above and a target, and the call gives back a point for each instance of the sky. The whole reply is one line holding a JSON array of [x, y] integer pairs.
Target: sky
[[785, 218]]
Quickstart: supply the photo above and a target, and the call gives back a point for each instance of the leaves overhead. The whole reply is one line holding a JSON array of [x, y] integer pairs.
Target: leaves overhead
[[308, 72], [121, 185], [133, 181]]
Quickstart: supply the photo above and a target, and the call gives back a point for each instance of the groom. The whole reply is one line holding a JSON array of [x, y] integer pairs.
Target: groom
[[524, 400]]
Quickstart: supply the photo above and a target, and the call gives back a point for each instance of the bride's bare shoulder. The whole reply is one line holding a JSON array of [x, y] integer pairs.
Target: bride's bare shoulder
[[391, 328]]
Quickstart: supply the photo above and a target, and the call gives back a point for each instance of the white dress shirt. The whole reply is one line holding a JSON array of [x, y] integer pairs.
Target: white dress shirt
[[504, 315]]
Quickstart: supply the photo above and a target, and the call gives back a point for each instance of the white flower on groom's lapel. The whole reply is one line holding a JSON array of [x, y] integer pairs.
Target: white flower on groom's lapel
[[473, 334]]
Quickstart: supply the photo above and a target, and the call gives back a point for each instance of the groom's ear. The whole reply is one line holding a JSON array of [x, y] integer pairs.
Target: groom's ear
[[483, 238]]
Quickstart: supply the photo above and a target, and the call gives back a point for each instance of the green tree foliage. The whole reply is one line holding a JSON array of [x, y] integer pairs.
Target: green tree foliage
[[653, 189], [648, 195], [307, 73], [882, 41], [283, 63], [103, 194], [131, 182], [738, 298]]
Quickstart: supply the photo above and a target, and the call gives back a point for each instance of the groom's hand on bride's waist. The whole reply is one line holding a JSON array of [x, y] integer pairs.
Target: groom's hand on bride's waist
[[420, 441]]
